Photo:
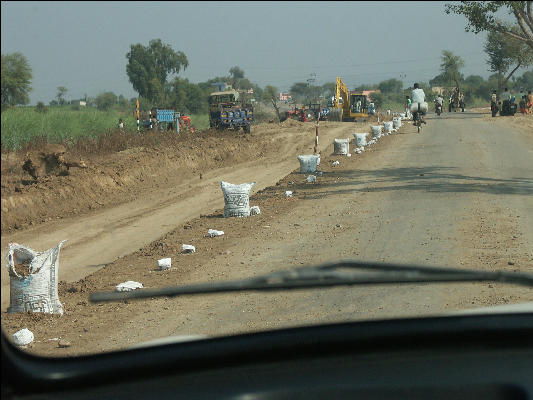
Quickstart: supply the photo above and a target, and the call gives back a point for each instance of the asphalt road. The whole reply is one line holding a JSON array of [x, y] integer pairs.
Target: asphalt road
[[458, 194]]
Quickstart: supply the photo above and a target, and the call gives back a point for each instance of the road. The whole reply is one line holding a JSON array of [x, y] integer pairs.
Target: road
[[459, 194]]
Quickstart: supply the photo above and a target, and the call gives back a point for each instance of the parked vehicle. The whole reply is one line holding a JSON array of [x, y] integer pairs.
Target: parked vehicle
[[508, 108], [228, 111]]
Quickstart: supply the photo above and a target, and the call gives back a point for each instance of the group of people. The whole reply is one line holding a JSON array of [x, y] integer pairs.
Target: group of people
[[525, 100]]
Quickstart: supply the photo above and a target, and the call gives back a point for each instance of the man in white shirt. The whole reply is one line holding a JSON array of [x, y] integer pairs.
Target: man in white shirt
[[418, 96]]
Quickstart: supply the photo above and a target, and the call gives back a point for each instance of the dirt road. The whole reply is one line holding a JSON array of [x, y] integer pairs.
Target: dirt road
[[99, 238], [458, 194]]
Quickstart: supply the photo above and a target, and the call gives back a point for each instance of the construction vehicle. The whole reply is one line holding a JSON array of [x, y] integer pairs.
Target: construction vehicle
[[228, 110], [346, 105]]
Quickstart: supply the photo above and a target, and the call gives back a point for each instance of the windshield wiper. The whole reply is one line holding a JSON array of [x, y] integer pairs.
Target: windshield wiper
[[342, 273]]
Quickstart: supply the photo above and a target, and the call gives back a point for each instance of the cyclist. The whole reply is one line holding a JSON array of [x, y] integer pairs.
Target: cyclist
[[419, 97]]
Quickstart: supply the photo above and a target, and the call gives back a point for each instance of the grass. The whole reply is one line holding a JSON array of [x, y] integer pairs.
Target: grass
[[23, 126]]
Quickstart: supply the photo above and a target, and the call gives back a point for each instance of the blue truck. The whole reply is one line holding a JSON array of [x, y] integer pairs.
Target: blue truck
[[228, 111]]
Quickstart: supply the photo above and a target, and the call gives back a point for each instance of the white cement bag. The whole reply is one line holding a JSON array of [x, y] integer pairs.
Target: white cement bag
[[360, 139], [341, 146], [423, 107], [36, 289], [164, 263], [387, 126], [288, 193], [308, 163], [128, 286], [254, 210], [376, 130], [396, 123], [236, 199], [23, 337], [188, 248], [311, 178], [214, 233]]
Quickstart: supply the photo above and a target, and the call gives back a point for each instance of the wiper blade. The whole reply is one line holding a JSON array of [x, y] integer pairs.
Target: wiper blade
[[342, 273]]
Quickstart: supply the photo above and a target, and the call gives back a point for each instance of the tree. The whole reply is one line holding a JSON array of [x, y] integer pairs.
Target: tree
[[271, 94], [299, 91], [391, 86], [149, 66], [505, 52], [525, 81], [236, 76], [41, 108], [328, 89], [450, 67], [481, 16], [16, 80], [61, 91], [105, 100]]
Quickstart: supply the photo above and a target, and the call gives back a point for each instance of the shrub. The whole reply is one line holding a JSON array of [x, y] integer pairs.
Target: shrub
[[41, 108]]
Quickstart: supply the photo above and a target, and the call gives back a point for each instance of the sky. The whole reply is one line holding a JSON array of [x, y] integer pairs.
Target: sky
[[83, 45]]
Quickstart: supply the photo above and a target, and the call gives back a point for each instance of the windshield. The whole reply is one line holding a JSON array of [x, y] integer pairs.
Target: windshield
[[101, 193]]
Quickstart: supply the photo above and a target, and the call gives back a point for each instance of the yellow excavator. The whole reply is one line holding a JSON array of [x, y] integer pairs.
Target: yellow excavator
[[348, 106]]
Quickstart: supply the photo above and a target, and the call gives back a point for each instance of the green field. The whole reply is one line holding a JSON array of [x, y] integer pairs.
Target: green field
[[22, 125]]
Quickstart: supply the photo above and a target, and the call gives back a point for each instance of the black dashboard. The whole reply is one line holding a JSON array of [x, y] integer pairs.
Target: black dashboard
[[459, 357]]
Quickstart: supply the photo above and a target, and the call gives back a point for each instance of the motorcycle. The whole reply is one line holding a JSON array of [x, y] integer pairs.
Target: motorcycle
[[438, 108]]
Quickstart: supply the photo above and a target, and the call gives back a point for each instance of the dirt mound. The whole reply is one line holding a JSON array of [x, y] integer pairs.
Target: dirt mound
[[123, 176], [51, 160]]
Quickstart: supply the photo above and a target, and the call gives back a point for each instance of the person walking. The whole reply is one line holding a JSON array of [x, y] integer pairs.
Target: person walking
[[407, 106], [529, 101]]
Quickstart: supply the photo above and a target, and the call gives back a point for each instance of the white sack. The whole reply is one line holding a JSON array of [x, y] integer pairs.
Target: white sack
[[236, 199], [423, 107], [288, 193], [214, 233], [308, 163], [335, 164], [23, 337], [396, 123], [341, 146], [188, 248], [164, 263], [360, 139], [311, 178], [376, 130], [128, 286], [387, 126], [254, 210], [36, 292]]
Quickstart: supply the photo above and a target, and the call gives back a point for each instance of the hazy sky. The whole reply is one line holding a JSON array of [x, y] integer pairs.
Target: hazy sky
[[83, 45]]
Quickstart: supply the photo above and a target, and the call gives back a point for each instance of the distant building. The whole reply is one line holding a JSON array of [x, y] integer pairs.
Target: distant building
[[78, 103], [284, 96]]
